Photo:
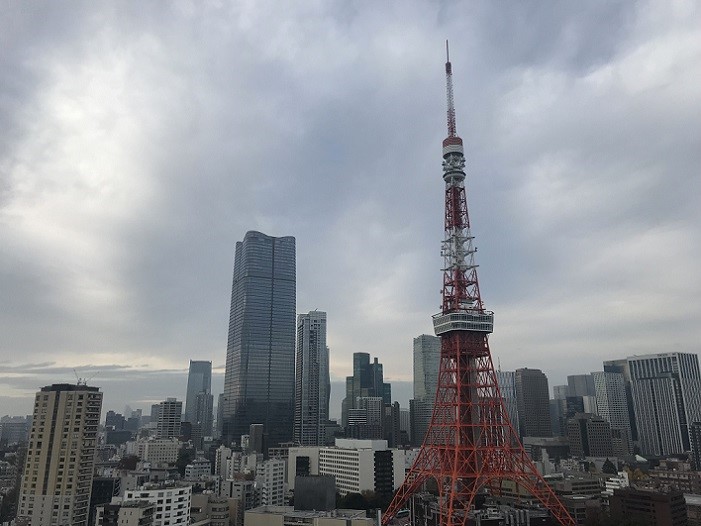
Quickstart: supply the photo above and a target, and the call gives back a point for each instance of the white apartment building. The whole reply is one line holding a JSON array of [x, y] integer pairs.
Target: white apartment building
[[172, 502], [357, 465], [270, 482], [221, 458], [198, 469]]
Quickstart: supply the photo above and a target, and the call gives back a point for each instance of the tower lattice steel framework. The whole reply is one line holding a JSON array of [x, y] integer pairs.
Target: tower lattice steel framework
[[470, 445]]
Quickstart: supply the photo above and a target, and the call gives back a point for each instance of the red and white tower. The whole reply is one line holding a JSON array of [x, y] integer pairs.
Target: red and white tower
[[470, 446]]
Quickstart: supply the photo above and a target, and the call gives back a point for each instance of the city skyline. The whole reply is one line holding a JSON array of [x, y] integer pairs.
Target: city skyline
[[130, 168]]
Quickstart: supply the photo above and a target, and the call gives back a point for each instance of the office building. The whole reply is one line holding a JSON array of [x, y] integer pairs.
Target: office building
[[259, 383], [199, 400], [170, 413], [57, 478], [507, 388], [589, 436], [666, 391], [647, 506], [621, 366], [560, 392], [580, 385], [313, 386], [533, 403], [157, 451], [367, 382], [611, 400], [357, 465], [14, 429], [427, 358]]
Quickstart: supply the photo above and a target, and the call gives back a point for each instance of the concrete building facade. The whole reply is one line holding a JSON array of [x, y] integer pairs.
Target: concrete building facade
[[58, 472], [312, 383], [172, 502]]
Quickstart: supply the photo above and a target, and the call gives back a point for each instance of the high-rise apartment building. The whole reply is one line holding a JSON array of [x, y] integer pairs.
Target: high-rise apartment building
[[367, 381], [259, 384], [199, 400], [533, 401], [313, 386], [170, 413], [666, 391], [58, 472]]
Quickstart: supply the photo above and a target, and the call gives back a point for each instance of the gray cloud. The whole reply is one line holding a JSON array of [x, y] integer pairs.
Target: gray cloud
[[140, 143]]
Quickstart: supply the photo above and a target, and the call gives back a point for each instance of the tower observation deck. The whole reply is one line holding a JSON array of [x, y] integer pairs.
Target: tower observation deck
[[470, 447]]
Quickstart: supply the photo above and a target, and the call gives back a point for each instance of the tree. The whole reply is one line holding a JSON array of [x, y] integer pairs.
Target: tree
[[609, 468]]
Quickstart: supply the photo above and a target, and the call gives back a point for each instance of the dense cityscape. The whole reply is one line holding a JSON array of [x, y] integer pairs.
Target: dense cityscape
[[618, 444], [630, 432]]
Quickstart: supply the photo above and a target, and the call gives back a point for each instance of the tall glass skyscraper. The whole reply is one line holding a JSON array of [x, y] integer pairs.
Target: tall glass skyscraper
[[199, 400], [312, 382], [259, 384]]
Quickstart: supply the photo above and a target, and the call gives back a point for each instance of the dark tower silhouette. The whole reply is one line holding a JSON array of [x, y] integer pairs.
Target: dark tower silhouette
[[470, 445]]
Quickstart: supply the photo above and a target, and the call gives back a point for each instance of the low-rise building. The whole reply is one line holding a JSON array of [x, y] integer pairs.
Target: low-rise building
[[647, 506], [172, 501], [358, 465], [129, 513], [219, 511], [198, 469], [285, 515], [158, 451]]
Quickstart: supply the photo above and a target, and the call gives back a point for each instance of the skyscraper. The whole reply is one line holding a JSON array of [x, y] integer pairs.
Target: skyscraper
[[507, 388], [611, 400], [666, 391], [367, 381], [313, 386], [57, 478], [259, 383], [580, 385], [532, 397], [427, 357], [621, 366], [199, 401]]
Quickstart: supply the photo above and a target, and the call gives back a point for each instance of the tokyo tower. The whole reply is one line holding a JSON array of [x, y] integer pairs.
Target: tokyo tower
[[470, 446]]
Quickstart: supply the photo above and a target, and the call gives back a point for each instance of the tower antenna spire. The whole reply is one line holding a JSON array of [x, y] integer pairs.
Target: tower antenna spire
[[452, 132], [470, 446]]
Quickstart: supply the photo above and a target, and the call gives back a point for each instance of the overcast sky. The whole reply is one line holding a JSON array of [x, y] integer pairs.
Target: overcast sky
[[140, 141]]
